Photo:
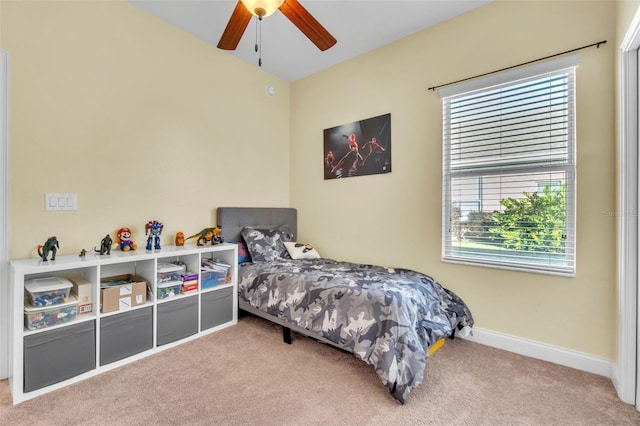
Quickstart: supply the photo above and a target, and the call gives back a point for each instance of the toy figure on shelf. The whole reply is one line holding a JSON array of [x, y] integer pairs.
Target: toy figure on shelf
[[153, 228], [105, 245], [179, 239], [51, 245], [213, 235], [124, 240]]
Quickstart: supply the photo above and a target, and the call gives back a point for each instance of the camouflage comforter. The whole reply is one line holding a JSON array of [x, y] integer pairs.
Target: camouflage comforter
[[387, 317]]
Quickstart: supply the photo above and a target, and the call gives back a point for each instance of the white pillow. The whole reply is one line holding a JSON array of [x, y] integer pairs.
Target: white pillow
[[301, 251]]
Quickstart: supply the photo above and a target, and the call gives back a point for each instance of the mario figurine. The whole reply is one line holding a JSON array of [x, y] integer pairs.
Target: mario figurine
[[124, 240]]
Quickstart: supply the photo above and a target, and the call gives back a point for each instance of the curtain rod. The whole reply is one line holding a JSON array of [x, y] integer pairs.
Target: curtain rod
[[519, 65]]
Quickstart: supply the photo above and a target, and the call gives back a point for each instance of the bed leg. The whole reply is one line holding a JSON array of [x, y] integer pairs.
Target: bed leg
[[286, 335]]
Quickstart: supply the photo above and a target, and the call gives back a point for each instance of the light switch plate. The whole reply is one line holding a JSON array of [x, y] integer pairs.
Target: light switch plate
[[58, 201]]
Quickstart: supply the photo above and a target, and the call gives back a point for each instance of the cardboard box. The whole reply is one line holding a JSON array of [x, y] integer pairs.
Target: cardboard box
[[122, 292], [83, 291]]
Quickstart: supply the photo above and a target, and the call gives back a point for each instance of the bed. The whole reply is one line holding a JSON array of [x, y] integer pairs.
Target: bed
[[389, 318]]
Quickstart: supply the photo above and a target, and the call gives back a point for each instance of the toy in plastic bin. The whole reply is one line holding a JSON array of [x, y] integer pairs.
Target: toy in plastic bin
[[36, 318], [124, 240], [153, 228], [48, 291], [169, 289], [50, 246], [170, 272], [169, 279]]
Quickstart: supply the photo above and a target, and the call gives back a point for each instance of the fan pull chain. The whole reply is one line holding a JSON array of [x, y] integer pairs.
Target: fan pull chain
[[260, 41], [258, 45]]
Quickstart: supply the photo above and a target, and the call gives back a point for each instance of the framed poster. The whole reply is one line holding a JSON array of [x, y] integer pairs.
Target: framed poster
[[358, 149]]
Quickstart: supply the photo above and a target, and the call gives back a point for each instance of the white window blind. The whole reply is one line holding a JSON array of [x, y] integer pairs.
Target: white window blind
[[509, 170]]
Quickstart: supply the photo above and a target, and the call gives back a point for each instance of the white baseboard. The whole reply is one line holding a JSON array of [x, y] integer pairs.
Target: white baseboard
[[555, 354]]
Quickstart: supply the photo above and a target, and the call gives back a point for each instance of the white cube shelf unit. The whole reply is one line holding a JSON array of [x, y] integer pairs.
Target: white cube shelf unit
[[49, 358]]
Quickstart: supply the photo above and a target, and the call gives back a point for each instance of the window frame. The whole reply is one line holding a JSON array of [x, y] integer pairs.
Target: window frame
[[512, 77]]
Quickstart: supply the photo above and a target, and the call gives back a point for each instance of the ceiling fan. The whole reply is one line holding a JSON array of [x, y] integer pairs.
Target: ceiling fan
[[293, 10]]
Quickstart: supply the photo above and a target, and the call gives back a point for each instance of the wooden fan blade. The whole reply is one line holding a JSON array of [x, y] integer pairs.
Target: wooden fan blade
[[306, 23], [235, 27]]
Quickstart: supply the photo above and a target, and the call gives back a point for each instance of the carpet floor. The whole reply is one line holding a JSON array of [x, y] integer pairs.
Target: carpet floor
[[246, 375]]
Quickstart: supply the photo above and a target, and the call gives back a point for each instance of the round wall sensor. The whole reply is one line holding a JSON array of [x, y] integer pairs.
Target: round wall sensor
[[271, 91]]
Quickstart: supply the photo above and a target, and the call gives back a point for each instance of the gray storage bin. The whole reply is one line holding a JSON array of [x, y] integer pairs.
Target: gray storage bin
[[126, 334], [217, 308], [177, 319], [56, 355]]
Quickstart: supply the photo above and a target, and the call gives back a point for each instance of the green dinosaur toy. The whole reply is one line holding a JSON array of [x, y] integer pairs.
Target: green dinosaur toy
[[51, 245]]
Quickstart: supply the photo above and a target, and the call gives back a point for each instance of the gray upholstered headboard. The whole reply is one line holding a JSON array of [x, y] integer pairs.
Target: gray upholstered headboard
[[234, 219]]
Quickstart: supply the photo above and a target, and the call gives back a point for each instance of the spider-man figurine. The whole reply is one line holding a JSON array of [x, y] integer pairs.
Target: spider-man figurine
[[153, 228]]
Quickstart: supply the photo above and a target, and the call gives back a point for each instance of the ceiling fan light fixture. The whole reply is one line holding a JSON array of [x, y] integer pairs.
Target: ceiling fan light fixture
[[262, 8]]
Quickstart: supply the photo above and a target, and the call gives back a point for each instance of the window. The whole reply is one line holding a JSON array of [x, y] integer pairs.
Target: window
[[509, 145], [554, 186]]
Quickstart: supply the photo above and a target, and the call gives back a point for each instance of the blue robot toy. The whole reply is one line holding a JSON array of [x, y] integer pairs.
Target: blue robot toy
[[153, 228]]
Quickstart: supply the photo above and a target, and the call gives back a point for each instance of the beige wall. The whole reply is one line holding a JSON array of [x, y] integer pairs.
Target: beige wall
[[395, 219], [626, 11], [140, 119], [131, 114]]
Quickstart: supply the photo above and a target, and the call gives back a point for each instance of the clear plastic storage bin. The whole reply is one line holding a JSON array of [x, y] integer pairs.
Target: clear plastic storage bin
[[214, 276], [48, 291], [169, 272], [169, 289], [36, 318]]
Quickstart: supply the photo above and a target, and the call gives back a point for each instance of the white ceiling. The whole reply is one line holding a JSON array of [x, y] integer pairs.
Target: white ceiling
[[358, 25]]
